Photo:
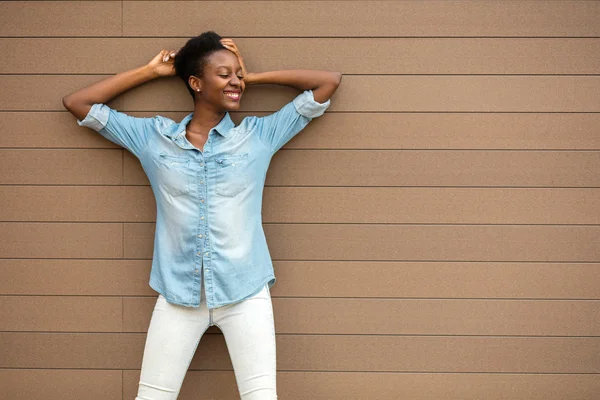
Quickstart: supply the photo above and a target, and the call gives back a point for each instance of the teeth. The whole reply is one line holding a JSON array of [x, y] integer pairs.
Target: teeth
[[233, 95]]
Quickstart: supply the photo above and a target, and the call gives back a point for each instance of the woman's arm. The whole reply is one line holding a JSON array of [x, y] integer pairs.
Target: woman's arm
[[80, 102], [322, 83]]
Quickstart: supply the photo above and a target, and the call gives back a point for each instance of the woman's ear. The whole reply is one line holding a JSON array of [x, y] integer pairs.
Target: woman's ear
[[195, 83]]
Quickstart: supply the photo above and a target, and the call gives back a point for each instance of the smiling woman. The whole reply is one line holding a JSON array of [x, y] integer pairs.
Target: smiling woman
[[204, 171]]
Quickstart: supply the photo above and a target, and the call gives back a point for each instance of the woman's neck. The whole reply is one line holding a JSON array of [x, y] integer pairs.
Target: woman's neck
[[204, 119]]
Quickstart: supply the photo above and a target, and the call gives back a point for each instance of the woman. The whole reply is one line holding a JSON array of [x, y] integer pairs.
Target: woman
[[211, 264]]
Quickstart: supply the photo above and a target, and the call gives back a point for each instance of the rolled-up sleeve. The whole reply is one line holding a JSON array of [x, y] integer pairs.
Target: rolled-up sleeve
[[96, 118], [307, 106], [129, 132], [278, 128]]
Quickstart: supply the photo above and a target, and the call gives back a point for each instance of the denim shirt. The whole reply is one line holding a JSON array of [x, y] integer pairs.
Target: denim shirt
[[209, 219]]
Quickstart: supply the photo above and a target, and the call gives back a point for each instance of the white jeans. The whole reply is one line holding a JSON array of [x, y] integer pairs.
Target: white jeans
[[175, 332]]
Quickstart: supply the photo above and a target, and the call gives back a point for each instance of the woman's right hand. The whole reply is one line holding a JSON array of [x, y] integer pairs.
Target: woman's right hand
[[80, 102], [163, 64], [230, 45]]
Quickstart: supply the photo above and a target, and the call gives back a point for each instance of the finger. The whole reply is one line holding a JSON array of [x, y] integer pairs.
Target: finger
[[170, 56], [230, 48]]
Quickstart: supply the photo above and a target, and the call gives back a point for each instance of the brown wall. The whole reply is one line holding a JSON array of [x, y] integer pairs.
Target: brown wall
[[435, 234]]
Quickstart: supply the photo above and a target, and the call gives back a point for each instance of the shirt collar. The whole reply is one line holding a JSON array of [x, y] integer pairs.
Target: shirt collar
[[223, 127]]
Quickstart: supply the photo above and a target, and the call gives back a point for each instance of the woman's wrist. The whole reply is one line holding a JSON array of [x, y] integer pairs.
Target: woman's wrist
[[251, 78], [149, 72]]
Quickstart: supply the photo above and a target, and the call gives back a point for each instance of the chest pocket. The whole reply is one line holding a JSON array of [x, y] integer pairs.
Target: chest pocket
[[174, 174], [232, 175]]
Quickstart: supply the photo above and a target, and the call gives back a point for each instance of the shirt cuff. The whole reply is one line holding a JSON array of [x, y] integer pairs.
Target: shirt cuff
[[307, 106], [96, 118]]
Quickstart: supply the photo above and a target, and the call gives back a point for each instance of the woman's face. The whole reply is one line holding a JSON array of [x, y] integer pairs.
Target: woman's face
[[221, 83]]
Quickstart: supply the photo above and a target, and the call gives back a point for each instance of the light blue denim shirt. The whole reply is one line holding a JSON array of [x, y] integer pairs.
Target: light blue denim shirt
[[209, 219]]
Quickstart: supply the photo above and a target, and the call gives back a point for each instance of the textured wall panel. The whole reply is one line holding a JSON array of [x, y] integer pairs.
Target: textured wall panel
[[349, 56], [75, 277], [47, 130], [319, 205], [413, 317], [77, 203], [437, 279], [431, 205], [60, 240], [363, 18], [338, 242], [394, 93], [361, 279], [421, 168], [61, 167], [545, 131], [433, 242], [431, 93], [60, 18], [49, 91], [208, 385], [62, 314], [45, 384], [319, 353]]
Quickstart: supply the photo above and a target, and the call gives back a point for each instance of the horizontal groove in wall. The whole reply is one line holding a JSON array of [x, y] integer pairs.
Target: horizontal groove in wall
[[404, 150], [314, 372], [319, 371], [330, 112], [345, 74], [323, 297], [330, 260], [297, 37], [325, 334], [309, 223], [325, 186]]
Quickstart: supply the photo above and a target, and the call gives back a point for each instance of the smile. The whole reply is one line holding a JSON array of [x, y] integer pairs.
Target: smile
[[233, 95]]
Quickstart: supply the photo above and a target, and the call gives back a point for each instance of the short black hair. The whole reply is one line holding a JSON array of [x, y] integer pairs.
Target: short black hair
[[191, 58]]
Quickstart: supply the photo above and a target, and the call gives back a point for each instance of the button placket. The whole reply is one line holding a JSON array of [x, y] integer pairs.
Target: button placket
[[202, 225]]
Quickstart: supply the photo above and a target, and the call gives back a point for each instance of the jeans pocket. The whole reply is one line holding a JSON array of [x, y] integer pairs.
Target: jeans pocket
[[232, 175], [174, 174]]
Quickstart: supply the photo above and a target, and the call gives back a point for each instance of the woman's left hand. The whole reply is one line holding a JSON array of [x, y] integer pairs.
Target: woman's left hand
[[230, 45]]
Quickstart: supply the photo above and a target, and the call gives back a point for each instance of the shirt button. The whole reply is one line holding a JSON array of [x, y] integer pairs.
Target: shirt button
[[201, 181], [201, 200], [202, 217], [202, 164], [205, 254], [199, 253], [200, 236], [196, 270]]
